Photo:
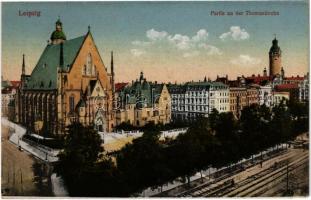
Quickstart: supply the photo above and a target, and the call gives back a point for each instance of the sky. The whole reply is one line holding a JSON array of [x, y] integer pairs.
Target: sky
[[168, 41]]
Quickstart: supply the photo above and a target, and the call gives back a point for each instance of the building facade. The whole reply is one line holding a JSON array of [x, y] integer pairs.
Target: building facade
[[304, 89], [278, 97], [265, 95], [241, 97], [8, 92], [67, 73], [292, 89], [143, 102], [195, 99]]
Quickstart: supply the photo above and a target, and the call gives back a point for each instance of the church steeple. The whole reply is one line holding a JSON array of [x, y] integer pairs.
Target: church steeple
[[58, 35], [23, 65], [141, 78], [265, 72]]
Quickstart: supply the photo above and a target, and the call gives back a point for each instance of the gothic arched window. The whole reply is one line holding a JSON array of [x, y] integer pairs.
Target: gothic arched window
[[94, 70], [89, 64], [72, 103], [84, 70]]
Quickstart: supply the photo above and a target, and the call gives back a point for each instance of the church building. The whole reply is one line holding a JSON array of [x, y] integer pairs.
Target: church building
[[69, 83]]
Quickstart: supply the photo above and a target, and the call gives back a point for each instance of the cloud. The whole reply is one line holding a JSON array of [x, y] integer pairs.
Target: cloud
[[201, 35], [189, 44], [245, 60], [235, 33], [156, 35], [182, 42], [141, 43], [210, 49], [191, 54], [137, 52]]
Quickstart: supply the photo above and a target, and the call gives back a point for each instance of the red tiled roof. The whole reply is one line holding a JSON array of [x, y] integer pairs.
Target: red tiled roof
[[7, 90], [15, 84], [119, 86], [298, 78], [258, 79], [286, 86]]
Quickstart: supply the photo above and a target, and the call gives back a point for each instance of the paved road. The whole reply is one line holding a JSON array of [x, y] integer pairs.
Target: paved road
[[21, 174]]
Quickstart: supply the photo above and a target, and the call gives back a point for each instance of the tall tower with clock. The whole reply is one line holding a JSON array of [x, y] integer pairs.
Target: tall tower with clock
[[275, 63]]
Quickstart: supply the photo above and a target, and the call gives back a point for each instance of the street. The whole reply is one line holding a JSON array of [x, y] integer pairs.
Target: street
[[22, 175]]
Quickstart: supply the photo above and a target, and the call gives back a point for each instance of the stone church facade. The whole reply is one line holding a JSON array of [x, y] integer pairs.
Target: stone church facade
[[69, 83]]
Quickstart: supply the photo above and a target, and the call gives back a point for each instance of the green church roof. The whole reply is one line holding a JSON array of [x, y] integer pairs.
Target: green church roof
[[141, 92], [58, 35], [44, 75]]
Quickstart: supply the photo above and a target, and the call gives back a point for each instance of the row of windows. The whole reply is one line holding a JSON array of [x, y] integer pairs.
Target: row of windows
[[190, 108], [200, 101], [223, 108]]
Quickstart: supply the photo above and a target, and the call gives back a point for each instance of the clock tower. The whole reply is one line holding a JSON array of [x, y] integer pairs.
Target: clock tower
[[275, 63]]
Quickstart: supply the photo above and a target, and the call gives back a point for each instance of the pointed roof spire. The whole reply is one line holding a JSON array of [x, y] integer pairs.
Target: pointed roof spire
[[88, 28], [112, 67], [141, 76], [58, 22], [23, 65]]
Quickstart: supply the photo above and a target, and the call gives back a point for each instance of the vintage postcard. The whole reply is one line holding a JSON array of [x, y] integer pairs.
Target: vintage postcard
[[155, 99]]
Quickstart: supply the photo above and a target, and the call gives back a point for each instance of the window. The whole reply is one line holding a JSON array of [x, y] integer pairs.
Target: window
[[94, 70], [72, 103], [84, 70], [89, 64]]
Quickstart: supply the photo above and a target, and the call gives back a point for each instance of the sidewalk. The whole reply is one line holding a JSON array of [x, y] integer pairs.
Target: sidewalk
[[31, 147]]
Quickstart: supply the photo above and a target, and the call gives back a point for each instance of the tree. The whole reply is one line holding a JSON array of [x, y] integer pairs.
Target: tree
[[227, 133], [142, 163], [81, 161], [213, 118]]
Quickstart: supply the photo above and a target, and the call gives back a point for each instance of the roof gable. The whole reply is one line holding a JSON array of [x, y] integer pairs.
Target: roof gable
[[97, 90]]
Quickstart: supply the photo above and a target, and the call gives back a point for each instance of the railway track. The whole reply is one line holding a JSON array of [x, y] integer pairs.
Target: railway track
[[222, 186], [263, 187], [257, 182]]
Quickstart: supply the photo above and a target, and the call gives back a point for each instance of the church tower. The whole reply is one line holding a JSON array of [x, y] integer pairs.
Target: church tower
[[275, 59], [58, 35]]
